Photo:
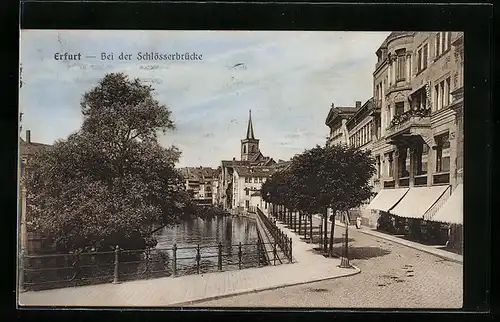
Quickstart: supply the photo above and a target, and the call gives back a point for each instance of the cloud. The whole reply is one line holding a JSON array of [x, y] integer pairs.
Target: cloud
[[289, 80]]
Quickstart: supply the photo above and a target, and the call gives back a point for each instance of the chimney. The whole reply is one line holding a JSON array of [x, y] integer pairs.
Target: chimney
[[358, 104], [28, 136], [333, 105]]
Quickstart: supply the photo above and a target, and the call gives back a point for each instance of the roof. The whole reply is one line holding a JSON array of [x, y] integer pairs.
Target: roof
[[283, 165], [339, 112], [250, 134], [369, 104], [255, 171], [198, 173], [28, 149], [232, 163]]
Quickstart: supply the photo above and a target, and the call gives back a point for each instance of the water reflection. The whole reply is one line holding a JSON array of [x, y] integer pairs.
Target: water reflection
[[207, 234]]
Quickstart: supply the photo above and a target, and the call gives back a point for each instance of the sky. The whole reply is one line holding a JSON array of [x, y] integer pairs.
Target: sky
[[289, 79]]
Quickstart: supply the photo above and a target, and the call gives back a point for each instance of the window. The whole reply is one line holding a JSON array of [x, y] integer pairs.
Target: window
[[425, 57], [438, 44], [246, 179], [443, 43], [401, 65], [244, 149], [400, 108], [260, 180], [421, 154], [443, 153], [247, 191], [390, 164], [255, 180], [377, 159], [252, 148], [447, 92]]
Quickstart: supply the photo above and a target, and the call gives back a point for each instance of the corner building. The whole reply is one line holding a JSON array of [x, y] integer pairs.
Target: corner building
[[417, 134]]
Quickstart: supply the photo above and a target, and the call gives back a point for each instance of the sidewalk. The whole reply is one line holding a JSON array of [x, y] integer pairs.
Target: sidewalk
[[307, 267], [423, 248]]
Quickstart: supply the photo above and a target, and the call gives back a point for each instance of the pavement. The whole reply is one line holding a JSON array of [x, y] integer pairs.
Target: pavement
[[179, 291], [393, 275], [434, 250]]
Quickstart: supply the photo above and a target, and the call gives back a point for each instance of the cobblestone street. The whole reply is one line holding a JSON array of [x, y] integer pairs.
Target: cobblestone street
[[391, 275]]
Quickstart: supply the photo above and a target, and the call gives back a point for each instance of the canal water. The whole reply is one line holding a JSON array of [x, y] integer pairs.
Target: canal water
[[207, 234]]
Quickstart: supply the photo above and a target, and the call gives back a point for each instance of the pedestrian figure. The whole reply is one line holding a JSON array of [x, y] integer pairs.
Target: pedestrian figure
[[358, 222]]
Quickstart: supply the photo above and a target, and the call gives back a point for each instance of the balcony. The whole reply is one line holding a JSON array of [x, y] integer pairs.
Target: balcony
[[405, 122]]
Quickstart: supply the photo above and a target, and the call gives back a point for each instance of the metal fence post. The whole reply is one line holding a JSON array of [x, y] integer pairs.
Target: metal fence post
[[258, 253], [116, 275], [239, 255], [290, 250], [174, 260], [274, 253], [198, 257], [320, 235], [219, 258]]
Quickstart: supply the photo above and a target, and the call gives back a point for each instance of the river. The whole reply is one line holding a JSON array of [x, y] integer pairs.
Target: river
[[229, 231]]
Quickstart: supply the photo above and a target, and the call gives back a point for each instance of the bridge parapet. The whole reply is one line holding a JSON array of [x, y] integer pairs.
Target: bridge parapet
[[274, 240]]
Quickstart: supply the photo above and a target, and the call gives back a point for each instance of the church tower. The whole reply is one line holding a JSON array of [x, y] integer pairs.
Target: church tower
[[249, 145]]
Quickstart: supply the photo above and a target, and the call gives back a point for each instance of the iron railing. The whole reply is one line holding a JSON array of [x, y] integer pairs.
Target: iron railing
[[280, 238], [85, 268]]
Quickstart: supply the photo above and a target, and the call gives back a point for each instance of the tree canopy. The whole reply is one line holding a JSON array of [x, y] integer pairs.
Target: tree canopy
[[334, 177], [110, 181]]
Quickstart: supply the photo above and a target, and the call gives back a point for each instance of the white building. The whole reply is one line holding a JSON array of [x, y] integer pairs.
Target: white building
[[247, 183]]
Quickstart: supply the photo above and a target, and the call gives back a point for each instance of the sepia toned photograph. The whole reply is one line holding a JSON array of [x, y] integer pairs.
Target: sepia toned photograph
[[295, 169]]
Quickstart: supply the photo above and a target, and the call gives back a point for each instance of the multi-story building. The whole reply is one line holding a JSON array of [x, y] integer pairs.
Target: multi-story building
[[416, 138], [30, 242], [199, 183], [336, 121], [251, 156], [247, 183]]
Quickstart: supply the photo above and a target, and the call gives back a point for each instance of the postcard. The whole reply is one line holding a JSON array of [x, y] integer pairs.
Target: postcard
[[241, 169]]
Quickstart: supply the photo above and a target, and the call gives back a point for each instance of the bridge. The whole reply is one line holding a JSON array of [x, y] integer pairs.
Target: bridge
[[277, 246]]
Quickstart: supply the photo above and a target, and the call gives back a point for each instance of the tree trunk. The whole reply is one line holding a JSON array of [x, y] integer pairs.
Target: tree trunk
[[284, 214], [330, 252], [346, 236], [311, 228], [325, 230], [300, 222], [305, 226]]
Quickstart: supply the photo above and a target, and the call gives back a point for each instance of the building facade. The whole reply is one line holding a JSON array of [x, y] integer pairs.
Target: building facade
[[30, 242], [247, 184], [199, 182], [417, 124], [336, 121]]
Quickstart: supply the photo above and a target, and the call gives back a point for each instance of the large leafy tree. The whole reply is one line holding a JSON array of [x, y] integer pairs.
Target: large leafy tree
[[110, 182], [335, 177], [341, 175]]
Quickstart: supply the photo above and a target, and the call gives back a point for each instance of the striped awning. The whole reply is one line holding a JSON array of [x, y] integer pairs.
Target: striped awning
[[417, 201], [452, 211], [387, 198]]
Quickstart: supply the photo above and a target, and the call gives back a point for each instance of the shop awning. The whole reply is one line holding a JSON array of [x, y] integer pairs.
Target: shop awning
[[387, 198], [452, 211], [417, 201]]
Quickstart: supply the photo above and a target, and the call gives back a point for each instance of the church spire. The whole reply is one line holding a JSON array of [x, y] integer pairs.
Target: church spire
[[250, 134]]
